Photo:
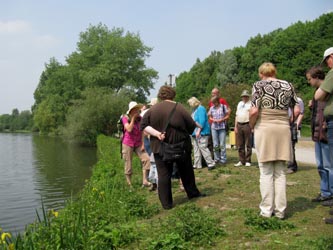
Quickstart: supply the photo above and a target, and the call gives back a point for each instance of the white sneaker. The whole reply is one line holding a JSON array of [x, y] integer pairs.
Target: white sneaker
[[247, 164], [238, 164]]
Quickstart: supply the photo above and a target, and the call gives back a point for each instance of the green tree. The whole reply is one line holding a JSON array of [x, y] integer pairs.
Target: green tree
[[111, 59], [49, 114], [227, 69], [96, 113]]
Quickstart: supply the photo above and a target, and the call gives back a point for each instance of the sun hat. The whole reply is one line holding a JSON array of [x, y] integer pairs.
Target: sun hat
[[133, 105], [153, 101], [327, 53], [245, 93]]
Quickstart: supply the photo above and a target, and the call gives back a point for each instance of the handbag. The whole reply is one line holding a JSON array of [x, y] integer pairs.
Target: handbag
[[168, 151]]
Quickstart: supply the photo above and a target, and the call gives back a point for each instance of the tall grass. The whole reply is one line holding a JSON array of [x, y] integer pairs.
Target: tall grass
[[109, 215]]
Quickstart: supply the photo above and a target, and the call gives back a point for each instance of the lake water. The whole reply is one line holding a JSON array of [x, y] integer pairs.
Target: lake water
[[35, 168]]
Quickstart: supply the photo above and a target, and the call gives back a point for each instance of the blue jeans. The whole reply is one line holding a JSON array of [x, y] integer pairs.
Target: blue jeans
[[325, 169], [330, 144], [220, 152]]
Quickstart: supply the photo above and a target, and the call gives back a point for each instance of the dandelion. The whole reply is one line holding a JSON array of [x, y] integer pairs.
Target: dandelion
[[11, 246], [94, 189]]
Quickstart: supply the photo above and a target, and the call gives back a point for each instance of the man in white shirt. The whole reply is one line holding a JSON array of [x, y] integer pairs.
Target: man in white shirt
[[243, 130]]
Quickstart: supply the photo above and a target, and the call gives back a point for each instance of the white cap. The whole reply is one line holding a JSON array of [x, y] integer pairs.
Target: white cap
[[327, 52]]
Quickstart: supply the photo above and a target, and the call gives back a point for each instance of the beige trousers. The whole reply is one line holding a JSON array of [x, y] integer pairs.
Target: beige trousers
[[128, 156], [273, 188]]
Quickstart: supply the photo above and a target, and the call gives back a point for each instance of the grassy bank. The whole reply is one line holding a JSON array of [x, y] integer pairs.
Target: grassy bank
[[108, 215]]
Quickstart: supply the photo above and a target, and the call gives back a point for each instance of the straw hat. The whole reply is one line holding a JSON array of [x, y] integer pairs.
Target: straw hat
[[133, 105]]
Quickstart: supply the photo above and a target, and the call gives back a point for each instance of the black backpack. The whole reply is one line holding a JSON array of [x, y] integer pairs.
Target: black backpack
[[121, 132]]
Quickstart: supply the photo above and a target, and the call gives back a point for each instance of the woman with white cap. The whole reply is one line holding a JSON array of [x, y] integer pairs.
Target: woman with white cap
[[133, 142]]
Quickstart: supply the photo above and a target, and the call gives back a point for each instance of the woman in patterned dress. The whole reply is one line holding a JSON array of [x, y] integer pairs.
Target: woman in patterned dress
[[271, 99]]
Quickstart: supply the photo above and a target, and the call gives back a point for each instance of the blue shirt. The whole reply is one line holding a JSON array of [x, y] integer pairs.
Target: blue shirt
[[199, 115]]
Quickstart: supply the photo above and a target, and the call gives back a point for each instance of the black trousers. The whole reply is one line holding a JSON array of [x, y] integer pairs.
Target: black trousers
[[186, 173]]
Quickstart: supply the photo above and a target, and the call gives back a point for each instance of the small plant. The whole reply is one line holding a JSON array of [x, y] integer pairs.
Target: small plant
[[194, 224], [260, 223], [171, 241]]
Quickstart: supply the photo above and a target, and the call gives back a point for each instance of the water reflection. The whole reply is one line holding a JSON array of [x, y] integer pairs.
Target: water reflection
[[35, 167]]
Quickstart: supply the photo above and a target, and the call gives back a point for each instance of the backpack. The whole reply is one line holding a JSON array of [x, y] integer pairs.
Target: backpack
[[121, 132], [120, 126]]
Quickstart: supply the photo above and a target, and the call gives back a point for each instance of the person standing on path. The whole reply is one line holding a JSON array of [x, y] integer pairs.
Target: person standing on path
[[243, 130], [325, 91], [315, 77]]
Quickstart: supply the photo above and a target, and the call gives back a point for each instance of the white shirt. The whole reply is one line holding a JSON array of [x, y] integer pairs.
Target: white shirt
[[242, 113]]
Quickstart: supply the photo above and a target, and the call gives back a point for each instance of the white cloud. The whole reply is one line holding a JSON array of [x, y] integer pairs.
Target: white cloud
[[16, 26]]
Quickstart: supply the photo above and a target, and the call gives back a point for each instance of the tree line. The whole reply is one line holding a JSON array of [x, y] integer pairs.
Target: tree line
[[86, 95], [16, 121], [293, 50]]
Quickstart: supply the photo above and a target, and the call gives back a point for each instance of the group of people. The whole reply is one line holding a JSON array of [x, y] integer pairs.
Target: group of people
[[268, 115]]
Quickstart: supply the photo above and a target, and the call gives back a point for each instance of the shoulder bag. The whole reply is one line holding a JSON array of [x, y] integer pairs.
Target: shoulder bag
[[171, 152]]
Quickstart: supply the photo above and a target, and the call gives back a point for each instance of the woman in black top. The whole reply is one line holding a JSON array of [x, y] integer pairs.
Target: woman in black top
[[179, 129]]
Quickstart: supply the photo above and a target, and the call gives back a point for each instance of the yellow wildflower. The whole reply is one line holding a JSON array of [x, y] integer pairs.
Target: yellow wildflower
[[4, 235], [94, 189], [11, 246], [55, 213], [102, 193]]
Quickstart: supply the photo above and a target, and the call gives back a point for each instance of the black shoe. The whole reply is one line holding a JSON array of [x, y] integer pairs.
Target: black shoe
[[329, 220], [328, 203], [321, 198], [167, 207], [200, 195]]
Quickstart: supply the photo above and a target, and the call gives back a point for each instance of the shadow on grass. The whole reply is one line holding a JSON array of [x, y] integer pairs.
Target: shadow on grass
[[306, 168], [300, 204], [181, 197]]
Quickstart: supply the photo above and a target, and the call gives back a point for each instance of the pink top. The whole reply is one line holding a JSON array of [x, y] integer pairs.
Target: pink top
[[134, 138]]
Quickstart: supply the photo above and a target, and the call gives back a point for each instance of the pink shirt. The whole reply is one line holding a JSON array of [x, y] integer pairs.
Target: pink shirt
[[134, 138]]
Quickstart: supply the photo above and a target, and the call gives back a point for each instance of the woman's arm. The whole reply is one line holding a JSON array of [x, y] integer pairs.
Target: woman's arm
[[150, 130], [254, 113]]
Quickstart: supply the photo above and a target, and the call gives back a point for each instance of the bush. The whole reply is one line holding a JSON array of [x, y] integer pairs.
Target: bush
[[96, 113]]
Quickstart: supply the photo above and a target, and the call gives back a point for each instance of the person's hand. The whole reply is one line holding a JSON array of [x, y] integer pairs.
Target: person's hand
[[161, 136], [198, 134], [310, 104], [236, 129]]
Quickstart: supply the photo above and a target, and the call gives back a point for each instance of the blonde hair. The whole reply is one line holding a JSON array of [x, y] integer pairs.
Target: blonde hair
[[267, 69], [193, 102]]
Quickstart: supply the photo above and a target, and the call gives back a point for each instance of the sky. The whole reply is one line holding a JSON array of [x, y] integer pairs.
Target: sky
[[179, 31]]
